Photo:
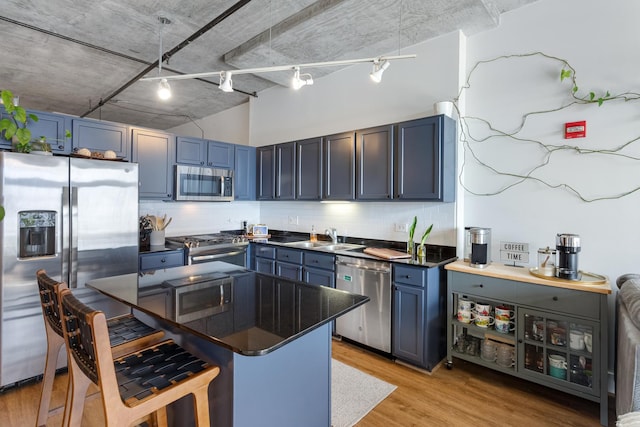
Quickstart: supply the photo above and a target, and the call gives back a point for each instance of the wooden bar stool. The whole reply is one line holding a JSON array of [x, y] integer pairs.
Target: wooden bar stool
[[132, 386], [126, 334]]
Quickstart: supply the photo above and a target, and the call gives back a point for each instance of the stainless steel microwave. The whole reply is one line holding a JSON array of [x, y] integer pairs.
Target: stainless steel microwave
[[203, 184]]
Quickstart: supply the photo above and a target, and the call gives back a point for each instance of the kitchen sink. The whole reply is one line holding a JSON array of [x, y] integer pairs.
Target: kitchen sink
[[308, 244], [324, 246], [341, 247]]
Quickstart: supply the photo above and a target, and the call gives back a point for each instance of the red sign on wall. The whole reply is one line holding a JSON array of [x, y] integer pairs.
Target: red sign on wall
[[575, 130]]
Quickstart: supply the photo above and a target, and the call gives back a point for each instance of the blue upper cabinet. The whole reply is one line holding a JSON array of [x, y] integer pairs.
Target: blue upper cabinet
[[154, 152], [425, 159], [101, 136], [52, 126], [202, 152], [245, 173], [220, 155], [191, 151], [374, 163]]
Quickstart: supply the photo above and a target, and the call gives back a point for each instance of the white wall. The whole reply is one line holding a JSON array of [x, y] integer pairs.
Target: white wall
[[231, 125], [202, 217], [504, 91], [348, 100]]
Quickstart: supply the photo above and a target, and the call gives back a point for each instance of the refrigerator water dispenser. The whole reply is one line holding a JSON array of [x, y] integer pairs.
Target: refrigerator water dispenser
[[37, 233]]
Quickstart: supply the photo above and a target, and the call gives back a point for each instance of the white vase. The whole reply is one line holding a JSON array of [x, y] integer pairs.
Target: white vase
[[443, 107]]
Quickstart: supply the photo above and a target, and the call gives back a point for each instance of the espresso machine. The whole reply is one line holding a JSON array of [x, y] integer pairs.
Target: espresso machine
[[567, 247]]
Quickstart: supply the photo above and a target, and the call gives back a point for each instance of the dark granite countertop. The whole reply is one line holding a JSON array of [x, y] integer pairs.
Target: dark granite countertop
[[436, 256], [257, 313]]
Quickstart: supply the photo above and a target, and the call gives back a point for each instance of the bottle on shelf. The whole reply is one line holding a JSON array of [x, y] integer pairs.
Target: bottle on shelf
[[313, 237]]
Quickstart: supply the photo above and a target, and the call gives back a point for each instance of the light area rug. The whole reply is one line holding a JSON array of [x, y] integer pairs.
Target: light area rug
[[354, 393]]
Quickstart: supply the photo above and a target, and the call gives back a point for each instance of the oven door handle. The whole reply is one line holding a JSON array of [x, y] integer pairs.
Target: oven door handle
[[216, 256]]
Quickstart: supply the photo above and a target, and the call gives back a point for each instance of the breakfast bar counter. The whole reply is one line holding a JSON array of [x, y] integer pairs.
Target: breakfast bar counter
[[270, 336]]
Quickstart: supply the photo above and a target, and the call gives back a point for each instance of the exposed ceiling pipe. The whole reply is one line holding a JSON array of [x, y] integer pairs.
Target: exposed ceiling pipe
[[218, 19]]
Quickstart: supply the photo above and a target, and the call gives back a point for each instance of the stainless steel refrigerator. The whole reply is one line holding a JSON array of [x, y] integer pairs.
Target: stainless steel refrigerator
[[78, 219]]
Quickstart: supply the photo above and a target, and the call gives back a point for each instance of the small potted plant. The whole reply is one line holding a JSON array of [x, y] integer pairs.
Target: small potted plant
[[14, 127]]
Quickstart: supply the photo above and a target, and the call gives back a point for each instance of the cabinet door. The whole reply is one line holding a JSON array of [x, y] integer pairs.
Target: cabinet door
[[316, 276], [289, 271], [286, 171], [101, 136], [52, 126], [553, 350], [425, 159], [264, 265], [408, 323], [374, 163], [244, 175], [309, 169], [153, 151], [339, 167], [266, 174], [191, 151], [220, 155]]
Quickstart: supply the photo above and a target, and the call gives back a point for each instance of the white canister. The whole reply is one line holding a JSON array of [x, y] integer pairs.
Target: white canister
[[443, 107], [156, 238]]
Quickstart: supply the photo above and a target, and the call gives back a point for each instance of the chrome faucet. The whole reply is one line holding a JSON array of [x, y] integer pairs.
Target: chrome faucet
[[333, 233]]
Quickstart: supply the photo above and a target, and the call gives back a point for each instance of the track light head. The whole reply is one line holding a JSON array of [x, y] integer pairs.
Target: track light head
[[300, 80], [378, 69], [164, 90], [226, 84]]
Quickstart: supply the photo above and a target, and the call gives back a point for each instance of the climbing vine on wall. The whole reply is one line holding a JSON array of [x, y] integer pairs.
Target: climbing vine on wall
[[568, 85]]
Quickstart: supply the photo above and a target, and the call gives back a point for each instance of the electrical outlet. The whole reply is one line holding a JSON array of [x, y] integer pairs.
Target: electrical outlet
[[402, 228], [293, 220]]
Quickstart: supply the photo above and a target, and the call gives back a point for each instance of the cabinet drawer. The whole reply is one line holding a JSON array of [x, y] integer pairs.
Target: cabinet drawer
[[409, 275], [560, 300], [316, 260], [290, 255], [158, 260], [483, 286], [265, 251]]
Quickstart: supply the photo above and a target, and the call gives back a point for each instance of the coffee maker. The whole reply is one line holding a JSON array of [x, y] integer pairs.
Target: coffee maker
[[480, 247], [568, 247]]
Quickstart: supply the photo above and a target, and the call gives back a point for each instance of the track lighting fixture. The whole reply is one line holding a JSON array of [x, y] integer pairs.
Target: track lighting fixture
[[226, 84], [378, 69], [164, 90], [300, 80], [380, 64]]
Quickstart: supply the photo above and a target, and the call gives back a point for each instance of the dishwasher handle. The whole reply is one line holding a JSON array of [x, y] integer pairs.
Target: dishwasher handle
[[364, 267]]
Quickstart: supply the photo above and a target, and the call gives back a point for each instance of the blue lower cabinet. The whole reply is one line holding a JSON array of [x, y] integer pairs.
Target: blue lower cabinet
[[418, 321]]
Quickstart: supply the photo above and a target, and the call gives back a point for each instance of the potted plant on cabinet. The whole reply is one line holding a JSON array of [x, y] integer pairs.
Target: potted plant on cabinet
[[15, 125]]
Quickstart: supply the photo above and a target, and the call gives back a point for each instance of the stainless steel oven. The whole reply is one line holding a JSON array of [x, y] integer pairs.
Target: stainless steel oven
[[196, 297], [212, 247]]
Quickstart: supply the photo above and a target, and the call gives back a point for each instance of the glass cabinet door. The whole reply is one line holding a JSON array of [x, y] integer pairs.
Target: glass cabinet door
[[559, 349]]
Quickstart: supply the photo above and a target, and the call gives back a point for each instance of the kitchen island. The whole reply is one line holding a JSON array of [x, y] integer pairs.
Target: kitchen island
[[270, 336]]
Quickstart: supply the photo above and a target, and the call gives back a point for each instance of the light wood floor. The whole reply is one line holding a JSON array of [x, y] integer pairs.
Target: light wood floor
[[467, 395]]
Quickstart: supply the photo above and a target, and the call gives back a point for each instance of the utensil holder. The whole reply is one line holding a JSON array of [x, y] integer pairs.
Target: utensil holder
[[157, 238]]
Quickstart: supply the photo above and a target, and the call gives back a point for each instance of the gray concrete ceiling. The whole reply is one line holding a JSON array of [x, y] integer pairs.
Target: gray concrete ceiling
[[82, 57]]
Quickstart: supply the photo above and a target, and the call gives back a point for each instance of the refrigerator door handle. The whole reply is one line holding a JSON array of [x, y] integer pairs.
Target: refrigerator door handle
[[73, 240]]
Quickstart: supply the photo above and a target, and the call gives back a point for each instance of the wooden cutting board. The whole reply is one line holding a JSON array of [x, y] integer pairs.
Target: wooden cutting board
[[386, 253]]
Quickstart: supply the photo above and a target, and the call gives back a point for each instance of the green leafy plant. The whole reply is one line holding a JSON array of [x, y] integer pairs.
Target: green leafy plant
[[425, 235], [412, 229], [16, 124], [570, 74]]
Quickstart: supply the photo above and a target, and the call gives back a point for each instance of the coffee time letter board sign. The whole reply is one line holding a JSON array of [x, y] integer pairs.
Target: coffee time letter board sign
[[512, 252]]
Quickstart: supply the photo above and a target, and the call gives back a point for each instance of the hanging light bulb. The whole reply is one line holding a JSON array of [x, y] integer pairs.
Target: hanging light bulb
[[378, 69], [226, 84], [164, 90], [299, 80]]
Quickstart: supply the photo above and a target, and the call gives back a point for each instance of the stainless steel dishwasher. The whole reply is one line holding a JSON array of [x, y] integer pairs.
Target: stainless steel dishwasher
[[369, 324]]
